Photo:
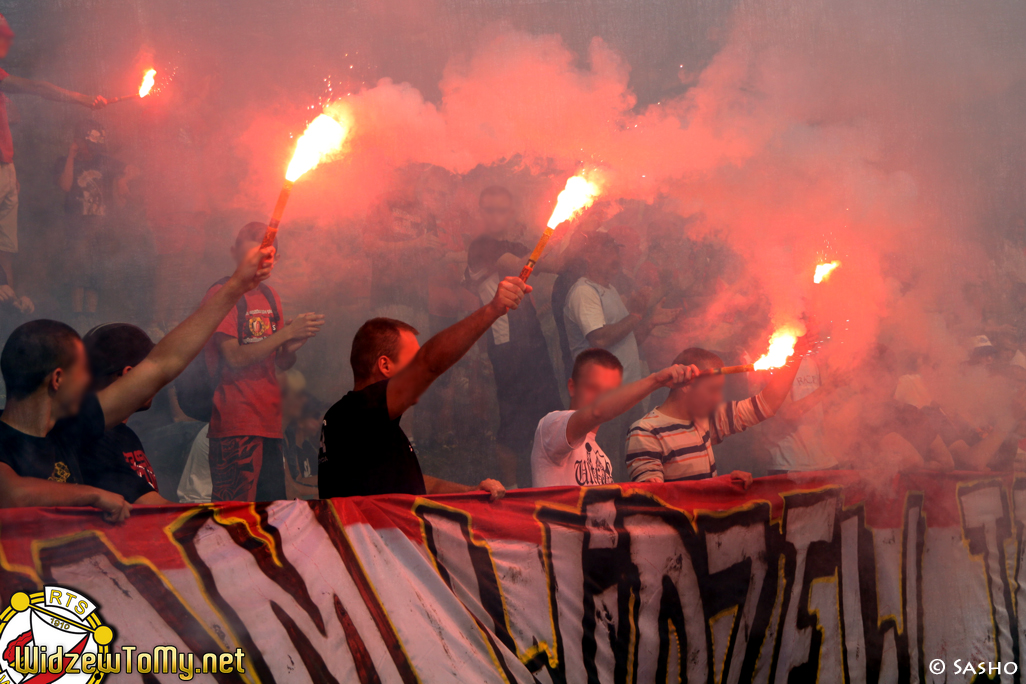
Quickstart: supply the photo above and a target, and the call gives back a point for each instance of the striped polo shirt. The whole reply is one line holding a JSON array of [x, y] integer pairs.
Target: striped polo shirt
[[665, 449]]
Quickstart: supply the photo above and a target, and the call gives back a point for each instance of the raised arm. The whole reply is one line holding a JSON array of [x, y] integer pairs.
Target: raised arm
[[20, 492], [48, 91], [180, 346], [779, 385], [620, 400], [447, 347]]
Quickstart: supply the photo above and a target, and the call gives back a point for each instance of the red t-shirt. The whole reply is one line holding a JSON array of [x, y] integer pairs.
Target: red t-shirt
[[6, 143], [247, 401]]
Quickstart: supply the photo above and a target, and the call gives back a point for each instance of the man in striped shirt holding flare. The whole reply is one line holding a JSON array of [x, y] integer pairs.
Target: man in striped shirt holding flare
[[675, 440]]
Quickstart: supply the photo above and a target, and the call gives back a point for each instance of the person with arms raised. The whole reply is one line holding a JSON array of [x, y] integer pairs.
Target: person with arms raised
[[16, 85], [675, 440], [566, 453], [52, 421], [364, 450]]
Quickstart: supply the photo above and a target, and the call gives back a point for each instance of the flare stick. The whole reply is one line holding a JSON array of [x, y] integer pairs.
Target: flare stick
[[727, 370], [532, 261], [279, 209]]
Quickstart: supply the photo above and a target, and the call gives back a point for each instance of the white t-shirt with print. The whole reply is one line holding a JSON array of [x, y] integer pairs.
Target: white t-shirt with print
[[589, 306], [557, 463]]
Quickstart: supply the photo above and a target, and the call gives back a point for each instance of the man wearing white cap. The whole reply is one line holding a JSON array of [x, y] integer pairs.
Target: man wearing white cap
[[8, 182]]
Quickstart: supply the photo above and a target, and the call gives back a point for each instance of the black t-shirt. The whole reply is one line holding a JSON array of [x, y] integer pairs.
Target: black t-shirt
[[92, 186], [57, 456], [118, 464], [364, 451]]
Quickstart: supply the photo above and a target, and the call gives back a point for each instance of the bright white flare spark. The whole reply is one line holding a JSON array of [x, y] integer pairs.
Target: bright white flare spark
[[781, 348], [824, 270], [147, 83], [322, 138], [577, 196]]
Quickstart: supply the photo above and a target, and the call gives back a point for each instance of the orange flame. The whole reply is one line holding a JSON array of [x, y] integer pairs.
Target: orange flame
[[823, 271], [577, 196], [781, 348], [322, 138], [147, 83]]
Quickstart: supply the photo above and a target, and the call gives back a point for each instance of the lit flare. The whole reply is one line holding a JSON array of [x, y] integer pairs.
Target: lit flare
[[781, 348], [578, 195], [322, 138], [147, 83], [823, 271]]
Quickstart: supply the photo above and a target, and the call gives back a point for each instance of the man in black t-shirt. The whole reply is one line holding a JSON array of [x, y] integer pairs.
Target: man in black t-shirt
[[52, 421], [364, 450], [118, 462]]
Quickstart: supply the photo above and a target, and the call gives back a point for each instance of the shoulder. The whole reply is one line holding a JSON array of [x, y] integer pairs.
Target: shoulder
[[650, 421], [88, 423], [555, 418]]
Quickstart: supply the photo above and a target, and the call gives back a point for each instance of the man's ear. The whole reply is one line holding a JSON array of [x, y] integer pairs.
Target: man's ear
[[124, 370], [55, 380], [570, 387], [385, 366]]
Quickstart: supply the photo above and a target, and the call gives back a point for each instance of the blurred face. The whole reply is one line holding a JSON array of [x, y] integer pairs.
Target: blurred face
[[604, 263], [292, 404], [434, 195], [69, 385], [593, 381], [496, 213], [408, 348], [702, 396]]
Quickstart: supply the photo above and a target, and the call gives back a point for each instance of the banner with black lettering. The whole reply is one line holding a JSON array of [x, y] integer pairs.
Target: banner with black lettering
[[829, 577]]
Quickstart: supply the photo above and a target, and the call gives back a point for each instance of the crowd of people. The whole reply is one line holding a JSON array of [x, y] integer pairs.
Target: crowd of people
[[589, 375]]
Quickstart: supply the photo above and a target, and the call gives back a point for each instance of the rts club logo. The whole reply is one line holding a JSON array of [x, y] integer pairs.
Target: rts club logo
[[55, 635]]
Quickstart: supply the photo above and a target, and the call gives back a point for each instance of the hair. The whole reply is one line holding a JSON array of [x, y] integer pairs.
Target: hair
[[495, 191], [253, 231], [33, 351], [694, 356], [600, 357], [376, 338], [113, 346]]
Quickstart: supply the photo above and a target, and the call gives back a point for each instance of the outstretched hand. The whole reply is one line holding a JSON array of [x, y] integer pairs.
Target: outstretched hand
[[302, 328], [509, 294], [255, 268], [92, 101], [676, 375]]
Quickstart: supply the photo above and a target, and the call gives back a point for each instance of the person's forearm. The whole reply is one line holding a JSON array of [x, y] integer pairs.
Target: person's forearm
[[447, 347], [180, 346], [608, 335], [285, 360], [47, 91], [30, 491], [435, 486], [68, 174], [981, 453], [797, 409], [241, 355], [608, 407], [779, 386]]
